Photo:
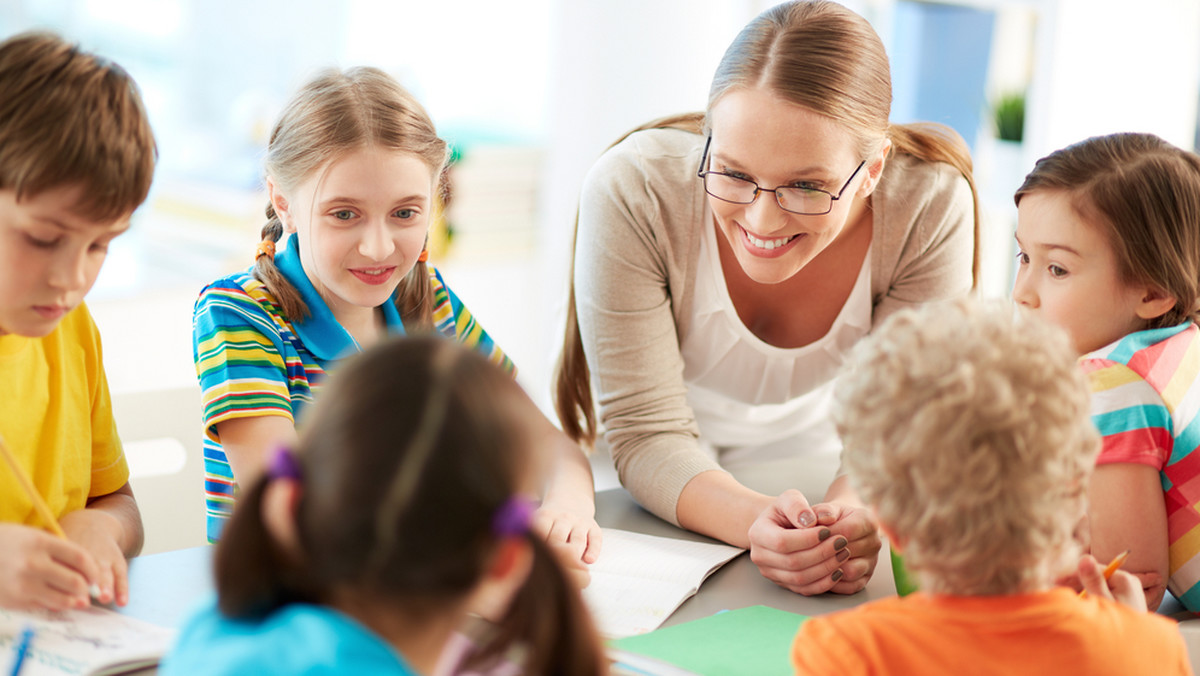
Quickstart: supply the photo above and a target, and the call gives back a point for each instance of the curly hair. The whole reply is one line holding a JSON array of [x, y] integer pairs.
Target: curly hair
[[966, 428]]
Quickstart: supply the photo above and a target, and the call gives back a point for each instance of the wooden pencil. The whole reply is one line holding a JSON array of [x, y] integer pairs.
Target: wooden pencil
[[1111, 568], [39, 505]]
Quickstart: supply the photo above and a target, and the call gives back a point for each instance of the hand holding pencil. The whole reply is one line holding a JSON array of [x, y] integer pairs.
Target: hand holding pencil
[[40, 569], [1111, 583]]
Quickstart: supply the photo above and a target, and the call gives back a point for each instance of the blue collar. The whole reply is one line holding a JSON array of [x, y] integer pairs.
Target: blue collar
[[320, 332]]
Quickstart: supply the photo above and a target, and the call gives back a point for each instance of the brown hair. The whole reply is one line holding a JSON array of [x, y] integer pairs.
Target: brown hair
[[338, 112], [813, 53], [67, 118], [967, 430], [1144, 195], [405, 462]]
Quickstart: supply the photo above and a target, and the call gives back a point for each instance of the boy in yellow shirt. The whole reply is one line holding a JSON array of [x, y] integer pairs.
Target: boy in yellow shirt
[[76, 158], [967, 431]]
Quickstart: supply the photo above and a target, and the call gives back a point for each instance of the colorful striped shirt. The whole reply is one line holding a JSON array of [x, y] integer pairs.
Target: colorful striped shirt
[[252, 360], [1145, 400]]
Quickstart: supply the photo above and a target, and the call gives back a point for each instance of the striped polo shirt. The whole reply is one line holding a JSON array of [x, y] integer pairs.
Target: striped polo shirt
[[1145, 398], [252, 360]]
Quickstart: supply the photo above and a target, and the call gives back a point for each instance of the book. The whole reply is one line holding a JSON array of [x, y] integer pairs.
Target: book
[[753, 640], [91, 641], [639, 579]]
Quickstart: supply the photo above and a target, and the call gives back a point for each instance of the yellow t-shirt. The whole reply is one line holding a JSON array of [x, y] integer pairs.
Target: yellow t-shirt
[[56, 418]]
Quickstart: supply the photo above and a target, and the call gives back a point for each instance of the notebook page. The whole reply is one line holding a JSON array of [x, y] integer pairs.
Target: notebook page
[[641, 579], [80, 642]]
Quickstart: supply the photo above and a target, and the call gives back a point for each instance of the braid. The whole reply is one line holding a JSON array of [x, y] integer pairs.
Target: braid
[[265, 271]]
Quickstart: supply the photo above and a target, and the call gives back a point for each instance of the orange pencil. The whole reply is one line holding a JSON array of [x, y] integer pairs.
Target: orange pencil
[[39, 503], [1111, 568]]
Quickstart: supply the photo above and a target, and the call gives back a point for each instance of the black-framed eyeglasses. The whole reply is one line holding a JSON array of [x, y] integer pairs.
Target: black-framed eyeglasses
[[794, 199]]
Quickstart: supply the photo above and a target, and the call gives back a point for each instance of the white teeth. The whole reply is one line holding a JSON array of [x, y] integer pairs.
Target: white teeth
[[769, 244]]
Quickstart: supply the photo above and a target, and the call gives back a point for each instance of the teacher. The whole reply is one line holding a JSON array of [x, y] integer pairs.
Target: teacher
[[725, 264]]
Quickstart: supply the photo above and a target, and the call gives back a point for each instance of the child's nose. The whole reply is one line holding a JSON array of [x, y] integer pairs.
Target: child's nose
[[71, 272], [1023, 293], [376, 243]]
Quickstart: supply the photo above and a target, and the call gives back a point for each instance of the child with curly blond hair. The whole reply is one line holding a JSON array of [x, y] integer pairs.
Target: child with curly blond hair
[[966, 430]]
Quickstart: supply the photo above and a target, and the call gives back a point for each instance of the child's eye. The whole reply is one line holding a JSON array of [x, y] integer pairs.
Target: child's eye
[[343, 214], [1056, 271], [42, 243], [405, 213], [99, 247], [1022, 258]]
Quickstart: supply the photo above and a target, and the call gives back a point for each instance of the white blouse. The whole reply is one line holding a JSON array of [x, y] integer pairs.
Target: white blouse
[[753, 401]]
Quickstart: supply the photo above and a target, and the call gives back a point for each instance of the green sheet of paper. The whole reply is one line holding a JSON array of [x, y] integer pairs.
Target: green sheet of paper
[[754, 640]]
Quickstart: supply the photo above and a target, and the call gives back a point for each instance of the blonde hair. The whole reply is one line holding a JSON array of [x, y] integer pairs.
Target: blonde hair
[[1144, 195], [67, 118], [815, 54], [336, 113], [966, 428]]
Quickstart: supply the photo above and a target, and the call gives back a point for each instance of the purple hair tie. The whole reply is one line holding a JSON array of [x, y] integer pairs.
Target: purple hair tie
[[283, 465], [513, 517]]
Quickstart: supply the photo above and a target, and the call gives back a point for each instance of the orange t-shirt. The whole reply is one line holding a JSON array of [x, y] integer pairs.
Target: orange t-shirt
[[1052, 632]]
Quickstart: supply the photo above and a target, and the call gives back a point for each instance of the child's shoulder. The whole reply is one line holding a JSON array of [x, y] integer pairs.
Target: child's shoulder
[[239, 290]]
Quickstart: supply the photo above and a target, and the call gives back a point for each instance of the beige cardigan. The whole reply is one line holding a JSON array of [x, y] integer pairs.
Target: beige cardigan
[[641, 217]]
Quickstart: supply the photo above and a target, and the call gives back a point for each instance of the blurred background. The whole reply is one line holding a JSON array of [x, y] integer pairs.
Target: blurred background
[[530, 92]]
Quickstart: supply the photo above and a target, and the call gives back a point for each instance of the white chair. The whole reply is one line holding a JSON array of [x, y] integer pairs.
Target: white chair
[[161, 432]]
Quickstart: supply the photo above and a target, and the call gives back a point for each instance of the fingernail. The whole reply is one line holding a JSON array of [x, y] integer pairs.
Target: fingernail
[[839, 543], [823, 534], [807, 519], [837, 575], [824, 514], [843, 555]]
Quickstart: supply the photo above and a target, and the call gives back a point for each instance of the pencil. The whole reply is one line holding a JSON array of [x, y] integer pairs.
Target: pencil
[[22, 649], [1111, 568], [39, 504]]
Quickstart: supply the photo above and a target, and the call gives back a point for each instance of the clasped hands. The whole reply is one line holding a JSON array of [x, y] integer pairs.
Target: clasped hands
[[812, 549]]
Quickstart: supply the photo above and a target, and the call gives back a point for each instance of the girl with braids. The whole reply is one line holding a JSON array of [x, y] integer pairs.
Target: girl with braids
[[406, 500], [733, 258], [353, 170]]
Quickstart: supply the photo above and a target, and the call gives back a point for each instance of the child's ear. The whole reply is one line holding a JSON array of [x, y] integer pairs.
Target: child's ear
[[1155, 303], [280, 204], [506, 573], [279, 512], [894, 540]]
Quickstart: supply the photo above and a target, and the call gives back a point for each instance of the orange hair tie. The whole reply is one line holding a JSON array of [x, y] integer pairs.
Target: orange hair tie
[[424, 256], [265, 248]]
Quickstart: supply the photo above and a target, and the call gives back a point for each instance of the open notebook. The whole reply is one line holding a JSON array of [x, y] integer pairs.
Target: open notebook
[[89, 642], [640, 579]]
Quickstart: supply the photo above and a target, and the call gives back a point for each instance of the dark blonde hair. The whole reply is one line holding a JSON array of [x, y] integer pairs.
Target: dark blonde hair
[[1144, 195], [71, 118], [967, 429], [815, 54], [336, 113], [405, 462]]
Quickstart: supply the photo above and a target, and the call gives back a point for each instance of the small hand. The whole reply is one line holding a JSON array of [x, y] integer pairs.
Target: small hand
[[39, 570], [574, 529], [99, 533], [1122, 587]]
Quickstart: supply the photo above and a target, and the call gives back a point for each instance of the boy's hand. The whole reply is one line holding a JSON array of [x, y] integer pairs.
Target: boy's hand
[[571, 530], [1122, 587], [812, 550], [99, 533], [41, 571]]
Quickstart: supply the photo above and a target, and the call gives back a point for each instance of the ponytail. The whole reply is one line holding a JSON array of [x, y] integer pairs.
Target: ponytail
[[573, 401], [414, 298], [932, 142], [286, 295], [253, 575], [548, 619]]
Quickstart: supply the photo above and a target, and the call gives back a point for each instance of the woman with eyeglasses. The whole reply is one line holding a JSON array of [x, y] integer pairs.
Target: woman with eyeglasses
[[725, 264]]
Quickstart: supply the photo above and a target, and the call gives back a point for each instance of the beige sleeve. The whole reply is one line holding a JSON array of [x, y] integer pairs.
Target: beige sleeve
[[930, 230], [628, 328]]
